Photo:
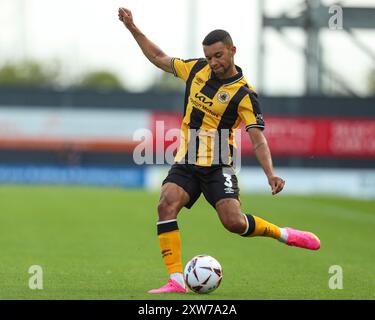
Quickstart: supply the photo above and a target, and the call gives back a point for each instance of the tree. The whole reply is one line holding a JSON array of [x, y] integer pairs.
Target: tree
[[101, 80], [371, 82], [34, 74], [167, 82], [28, 73]]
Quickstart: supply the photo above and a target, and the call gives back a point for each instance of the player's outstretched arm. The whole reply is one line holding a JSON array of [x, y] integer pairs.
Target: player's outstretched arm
[[263, 154], [150, 50]]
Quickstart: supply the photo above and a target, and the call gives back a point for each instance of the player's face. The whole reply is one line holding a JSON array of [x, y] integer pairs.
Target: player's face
[[220, 57]]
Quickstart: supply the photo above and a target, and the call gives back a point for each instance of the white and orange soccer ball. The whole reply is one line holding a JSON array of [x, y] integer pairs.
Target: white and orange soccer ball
[[203, 274]]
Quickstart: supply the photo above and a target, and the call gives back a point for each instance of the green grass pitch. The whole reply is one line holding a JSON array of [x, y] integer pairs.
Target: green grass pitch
[[101, 244]]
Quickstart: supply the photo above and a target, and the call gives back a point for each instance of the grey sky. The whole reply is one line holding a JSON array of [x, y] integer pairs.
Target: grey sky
[[86, 34]]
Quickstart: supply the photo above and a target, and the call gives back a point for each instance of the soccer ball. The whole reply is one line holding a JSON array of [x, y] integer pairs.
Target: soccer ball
[[203, 274]]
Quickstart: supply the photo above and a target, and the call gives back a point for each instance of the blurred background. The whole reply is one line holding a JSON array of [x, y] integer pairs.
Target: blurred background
[[74, 88]]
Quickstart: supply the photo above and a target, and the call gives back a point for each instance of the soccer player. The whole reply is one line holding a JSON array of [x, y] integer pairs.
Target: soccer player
[[217, 99]]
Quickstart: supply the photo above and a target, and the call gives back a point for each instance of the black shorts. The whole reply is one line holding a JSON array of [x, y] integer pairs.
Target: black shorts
[[216, 182]]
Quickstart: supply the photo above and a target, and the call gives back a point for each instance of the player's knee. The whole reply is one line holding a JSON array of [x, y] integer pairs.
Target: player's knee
[[166, 210]]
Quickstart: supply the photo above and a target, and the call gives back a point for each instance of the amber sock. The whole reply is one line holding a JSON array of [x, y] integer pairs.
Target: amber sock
[[259, 227], [170, 245]]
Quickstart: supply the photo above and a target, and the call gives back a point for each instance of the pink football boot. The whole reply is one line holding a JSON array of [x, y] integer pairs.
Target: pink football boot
[[171, 287], [302, 239]]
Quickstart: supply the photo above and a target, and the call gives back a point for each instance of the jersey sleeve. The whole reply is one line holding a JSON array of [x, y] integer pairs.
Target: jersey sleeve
[[250, 113], [182, 68]]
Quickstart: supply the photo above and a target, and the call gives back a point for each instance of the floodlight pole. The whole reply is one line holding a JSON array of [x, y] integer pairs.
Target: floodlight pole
[[22, 27], [311, 20], [260, 51], [313, 65], [192, 22]]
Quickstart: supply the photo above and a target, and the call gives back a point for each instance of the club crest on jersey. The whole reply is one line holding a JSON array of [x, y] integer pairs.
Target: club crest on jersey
[[223, 96]]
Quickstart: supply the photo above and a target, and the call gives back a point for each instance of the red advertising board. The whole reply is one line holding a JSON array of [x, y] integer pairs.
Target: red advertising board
[[299, 136]]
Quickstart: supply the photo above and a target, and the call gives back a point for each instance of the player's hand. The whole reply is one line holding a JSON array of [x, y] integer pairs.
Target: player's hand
[[125, 15], [276, 183]]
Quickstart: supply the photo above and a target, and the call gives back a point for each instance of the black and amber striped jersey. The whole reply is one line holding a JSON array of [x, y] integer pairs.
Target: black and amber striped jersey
[[213, 109]]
